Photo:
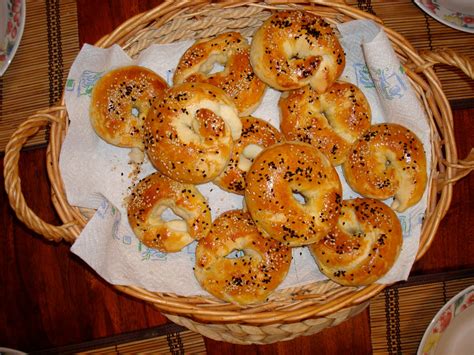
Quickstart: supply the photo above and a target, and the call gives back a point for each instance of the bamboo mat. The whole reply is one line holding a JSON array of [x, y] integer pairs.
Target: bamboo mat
[[424, 32], [35, 78], [166, 339], [400, 315]]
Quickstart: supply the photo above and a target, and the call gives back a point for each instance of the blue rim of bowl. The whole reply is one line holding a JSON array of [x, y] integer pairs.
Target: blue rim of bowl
[[443, 309], [439, 13], [6, 63]]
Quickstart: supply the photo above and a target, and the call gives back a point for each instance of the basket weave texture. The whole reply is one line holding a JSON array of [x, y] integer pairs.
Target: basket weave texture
[[291, 312]]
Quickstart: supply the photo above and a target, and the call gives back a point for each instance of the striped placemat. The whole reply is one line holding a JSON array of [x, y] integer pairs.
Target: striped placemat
[[166, 339], [35, 78], [400, 314], [424, 32]]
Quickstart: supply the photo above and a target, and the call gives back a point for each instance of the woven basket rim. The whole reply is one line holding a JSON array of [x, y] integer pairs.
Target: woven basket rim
[[201, 308]]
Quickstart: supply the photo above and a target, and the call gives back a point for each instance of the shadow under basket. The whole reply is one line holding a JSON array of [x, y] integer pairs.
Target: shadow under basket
[[288, 313]]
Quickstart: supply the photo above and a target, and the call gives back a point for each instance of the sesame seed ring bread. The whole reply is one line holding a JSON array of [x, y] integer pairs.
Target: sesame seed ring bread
[[363, 246], [256, 136], [247, 279], [151, 197], [278, 176], [237, 79], [293, 49], [120, 100], [388, 161], [189, 132], [331, 121]]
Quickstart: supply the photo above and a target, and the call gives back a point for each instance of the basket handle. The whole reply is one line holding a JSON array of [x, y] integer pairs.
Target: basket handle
[[463, 168], [13, 181], [449, 57]]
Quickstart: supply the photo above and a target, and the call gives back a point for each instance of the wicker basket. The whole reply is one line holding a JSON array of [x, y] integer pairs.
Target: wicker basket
[[290, 312]]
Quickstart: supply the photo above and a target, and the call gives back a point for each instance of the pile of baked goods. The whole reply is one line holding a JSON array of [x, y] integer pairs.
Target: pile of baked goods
[[200, 130]]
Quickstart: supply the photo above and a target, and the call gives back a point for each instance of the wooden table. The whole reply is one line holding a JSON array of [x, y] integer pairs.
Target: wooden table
[[52, 298]]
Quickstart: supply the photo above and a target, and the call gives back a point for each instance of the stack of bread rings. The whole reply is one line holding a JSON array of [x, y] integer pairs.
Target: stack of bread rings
[[201, 130]]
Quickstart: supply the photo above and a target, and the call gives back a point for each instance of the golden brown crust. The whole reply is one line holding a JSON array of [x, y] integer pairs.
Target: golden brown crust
[[256, 136], [189, 132], [388, 161], [295, 48], [120, 101], [247, 279], [151, 197], [237, 79], [363, 246], [331, 121], [293, 168]]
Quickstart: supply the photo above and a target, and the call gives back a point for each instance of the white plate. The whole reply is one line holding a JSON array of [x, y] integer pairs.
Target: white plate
[[452, 329], [12, 22], [458, 20]]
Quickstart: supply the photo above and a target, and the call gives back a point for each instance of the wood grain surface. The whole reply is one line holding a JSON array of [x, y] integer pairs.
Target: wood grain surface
[[51, 298]]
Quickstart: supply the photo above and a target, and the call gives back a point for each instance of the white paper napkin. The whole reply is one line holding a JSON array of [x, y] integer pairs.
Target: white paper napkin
[[98, 175]]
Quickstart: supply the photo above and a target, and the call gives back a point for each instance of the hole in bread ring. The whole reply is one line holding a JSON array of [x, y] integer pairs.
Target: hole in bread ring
[[235, 254], [301, 59], [167, 215], [298, 196], [136, 112], [257, 134], [241, 251], [216, 63], [235, 263]]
